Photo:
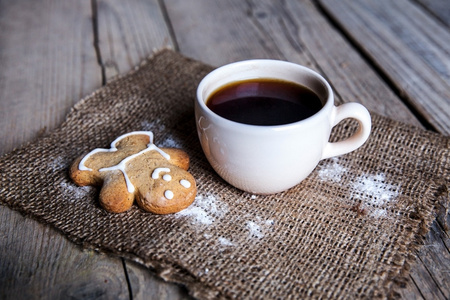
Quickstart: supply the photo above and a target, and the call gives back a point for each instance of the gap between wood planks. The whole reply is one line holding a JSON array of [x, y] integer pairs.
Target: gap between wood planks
[[377, 69], [433, 11], [96, 39], [102, 65], [130, 290], [166, 17]]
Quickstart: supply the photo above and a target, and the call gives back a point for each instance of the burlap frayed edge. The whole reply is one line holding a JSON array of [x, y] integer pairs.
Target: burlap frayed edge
[[164, 270], [436, 205], [443, 192], [395, 282]]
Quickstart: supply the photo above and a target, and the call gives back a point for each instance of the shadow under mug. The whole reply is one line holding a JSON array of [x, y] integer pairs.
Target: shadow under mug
[[270, 159]]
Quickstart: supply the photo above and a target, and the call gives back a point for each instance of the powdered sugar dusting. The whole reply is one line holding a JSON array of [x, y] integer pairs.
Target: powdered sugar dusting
[[376, 193], [156, 125], [254, 230], [225, 242], [73, 192], [378, 212], [170, 142], [197, 214], [152, 125], [332, 171], [258, 227], [205, 210], [374, 188], [57, 164]]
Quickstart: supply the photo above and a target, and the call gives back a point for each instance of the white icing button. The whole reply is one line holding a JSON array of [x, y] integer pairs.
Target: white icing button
[[167, 177], [168, 194], [185, 183]]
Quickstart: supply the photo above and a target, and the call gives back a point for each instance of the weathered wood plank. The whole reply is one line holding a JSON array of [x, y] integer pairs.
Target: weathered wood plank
[[128, 32], [409, 46], [435, 257], [349, 74], [439, 8], [146, 285], [428, 289], [38, 263], [48, 63], [411, 292], [226, 31]]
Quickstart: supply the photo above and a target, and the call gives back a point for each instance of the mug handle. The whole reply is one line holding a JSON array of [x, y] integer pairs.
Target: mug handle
[[344, 111]]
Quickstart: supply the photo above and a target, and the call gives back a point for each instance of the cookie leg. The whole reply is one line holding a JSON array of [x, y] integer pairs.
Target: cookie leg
[[114, 196]]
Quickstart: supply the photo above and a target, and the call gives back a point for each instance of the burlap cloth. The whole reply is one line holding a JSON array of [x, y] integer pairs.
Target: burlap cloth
[[348, 231]]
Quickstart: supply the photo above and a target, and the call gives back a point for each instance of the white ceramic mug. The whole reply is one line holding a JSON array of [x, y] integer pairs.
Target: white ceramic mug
[[271, 159]]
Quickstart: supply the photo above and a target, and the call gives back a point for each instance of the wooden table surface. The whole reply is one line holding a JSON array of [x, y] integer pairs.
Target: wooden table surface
[[391, 56]]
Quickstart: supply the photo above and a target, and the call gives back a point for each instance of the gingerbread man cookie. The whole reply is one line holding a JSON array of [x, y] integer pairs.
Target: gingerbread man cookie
[[134, 168]]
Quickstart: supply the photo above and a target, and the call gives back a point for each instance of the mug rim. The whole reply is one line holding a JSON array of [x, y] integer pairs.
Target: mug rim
[[258, 63]]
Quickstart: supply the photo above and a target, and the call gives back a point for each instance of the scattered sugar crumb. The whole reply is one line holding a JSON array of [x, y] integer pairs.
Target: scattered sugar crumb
[[170, 142], [205, 210], [332, 171], [257, 227], [197, 214], [57, 164], [152, 125], [254, 230], [203, 272], [376, 193], [378, 213], [269, 222], [225, 242], [375, 189], [74, 192]]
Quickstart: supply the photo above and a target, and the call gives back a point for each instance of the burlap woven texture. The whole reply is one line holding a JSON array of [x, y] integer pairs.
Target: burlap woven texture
[[348, 231]]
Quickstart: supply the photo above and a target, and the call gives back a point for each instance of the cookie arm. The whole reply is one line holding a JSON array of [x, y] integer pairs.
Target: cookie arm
[[178, 157], [82, 177]]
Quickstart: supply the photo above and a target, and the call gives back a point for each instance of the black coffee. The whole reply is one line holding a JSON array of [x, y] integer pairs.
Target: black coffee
[[264, 102]]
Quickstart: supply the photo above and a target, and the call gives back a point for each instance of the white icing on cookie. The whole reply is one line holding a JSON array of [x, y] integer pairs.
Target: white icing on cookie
[[185, 183], [122, 165], [168, 194], [82, 167], [167, 177], [156, 172]]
